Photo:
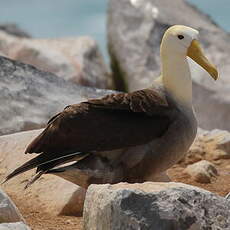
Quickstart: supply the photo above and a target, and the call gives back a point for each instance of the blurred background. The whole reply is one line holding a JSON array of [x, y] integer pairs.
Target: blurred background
[[58, 18]]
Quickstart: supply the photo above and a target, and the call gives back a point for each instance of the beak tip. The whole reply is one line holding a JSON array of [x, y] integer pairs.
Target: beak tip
[[215, 75]]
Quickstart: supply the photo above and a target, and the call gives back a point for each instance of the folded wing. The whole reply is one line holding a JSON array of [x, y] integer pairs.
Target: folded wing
[[112, 122]]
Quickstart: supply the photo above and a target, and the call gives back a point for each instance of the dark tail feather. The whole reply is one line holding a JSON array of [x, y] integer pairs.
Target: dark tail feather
[[61, 160], [43, 162], [25, 167]]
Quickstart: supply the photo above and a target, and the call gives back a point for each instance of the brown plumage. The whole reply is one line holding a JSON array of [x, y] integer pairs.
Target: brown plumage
[[113, 122]]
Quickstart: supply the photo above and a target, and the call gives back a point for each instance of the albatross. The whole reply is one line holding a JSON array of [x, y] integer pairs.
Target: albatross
[[129, 137]]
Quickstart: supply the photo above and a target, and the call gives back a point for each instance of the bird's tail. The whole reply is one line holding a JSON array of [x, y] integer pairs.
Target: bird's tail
[[44, 162]]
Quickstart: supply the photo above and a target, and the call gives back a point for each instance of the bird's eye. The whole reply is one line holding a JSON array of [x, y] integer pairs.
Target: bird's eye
[[180, 37]]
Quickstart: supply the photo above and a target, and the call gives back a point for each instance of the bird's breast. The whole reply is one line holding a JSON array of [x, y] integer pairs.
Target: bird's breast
[[147, 161], [174, 144]]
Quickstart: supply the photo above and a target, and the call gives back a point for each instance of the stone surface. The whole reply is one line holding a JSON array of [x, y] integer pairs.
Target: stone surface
[[156, 206], [209, 145], [8, 210], [14, 226], [135, 29], [202, 171], [51, 194], [13, 29], [76, 59], [30, 97]]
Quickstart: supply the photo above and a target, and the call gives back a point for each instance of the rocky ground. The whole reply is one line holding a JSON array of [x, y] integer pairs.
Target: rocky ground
[[210, 146], [37, 219]]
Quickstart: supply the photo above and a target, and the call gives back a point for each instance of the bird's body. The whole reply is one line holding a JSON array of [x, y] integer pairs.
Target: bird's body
[[138, 163], [128, 136]]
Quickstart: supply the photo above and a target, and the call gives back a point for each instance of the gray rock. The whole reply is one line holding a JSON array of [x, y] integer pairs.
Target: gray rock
[[202, 171], [223, 138], [29, 97], [14, 226], [211, 146], [14, 29], [135, 29], [8, 210], [77, 59], [155, 206]]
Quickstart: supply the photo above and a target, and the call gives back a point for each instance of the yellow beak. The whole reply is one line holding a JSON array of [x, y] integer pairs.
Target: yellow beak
[[195, 52]]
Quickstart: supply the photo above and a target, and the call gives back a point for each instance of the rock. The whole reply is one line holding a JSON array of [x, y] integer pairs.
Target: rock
[[30, 97], [202, 171], [8, 210], [13, 29], [76, 59], [52, 194], [209, 145], [156, 206], [222, 138], [14, 226], [135, 29]]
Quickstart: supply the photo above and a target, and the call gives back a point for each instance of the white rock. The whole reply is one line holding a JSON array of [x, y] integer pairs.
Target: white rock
[[76, 59], [14, 226], [209, 145], [156, 206], [222, 138], [134, 36], [202, 171], [8, 210]]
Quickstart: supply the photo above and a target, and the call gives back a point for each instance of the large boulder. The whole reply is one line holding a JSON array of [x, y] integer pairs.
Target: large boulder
[[8, 211], [51, 194], [135, 29], [30, 97], [156, 206], [76, 59]]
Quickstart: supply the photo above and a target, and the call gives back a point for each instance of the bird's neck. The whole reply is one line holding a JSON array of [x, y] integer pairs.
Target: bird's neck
[[176, 77]]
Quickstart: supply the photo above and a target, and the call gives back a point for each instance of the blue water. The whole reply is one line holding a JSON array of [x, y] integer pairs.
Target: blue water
[[219, 10], [58, 18]]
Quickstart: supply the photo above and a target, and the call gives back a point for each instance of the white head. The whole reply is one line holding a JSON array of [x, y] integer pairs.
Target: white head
[[177, 39], [179, 42], [182, 41]]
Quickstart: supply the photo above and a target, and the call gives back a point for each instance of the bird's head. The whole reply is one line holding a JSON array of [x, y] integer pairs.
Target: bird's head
[[183, 40]]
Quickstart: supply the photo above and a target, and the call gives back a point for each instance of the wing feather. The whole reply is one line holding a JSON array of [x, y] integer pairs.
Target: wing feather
[[112, 122]]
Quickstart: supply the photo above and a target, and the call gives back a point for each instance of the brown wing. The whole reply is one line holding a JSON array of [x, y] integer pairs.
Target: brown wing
[[113, 122]]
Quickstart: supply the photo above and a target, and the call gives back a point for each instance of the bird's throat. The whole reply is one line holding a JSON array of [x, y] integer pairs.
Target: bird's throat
[[176, 78]]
